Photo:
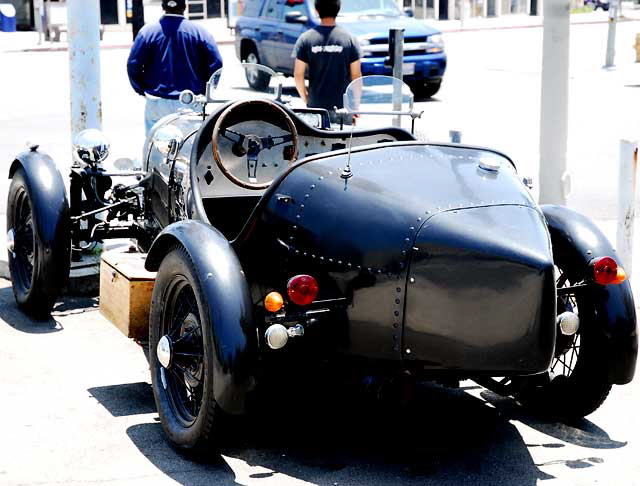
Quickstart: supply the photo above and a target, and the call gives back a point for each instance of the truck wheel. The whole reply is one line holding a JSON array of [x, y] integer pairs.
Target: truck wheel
[[258, 80], [33, 266], [576, 383], [181, 351], [426, 89]]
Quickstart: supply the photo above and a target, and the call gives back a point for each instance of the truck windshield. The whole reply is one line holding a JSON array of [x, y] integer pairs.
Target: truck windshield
[[369, 7]]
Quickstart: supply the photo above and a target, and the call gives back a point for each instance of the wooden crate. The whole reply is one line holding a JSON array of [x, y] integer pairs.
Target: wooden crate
[[125, 292]]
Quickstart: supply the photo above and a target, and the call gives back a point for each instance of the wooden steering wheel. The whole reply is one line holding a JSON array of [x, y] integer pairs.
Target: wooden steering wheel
[[250, 145]]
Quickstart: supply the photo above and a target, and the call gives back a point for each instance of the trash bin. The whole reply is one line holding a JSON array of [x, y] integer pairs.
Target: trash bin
[[7, 17]]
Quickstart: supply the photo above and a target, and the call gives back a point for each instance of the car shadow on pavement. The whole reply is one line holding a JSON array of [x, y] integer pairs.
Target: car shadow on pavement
[[125, 399], [443, 436], [150, 439], [12, 315], [583, 432]]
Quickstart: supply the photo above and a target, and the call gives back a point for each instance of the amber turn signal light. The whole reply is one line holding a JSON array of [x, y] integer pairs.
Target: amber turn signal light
[[273, 302], [606, 271], [621, 276]]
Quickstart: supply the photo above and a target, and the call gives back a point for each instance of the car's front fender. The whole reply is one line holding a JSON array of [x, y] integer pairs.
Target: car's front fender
[[50, 209], [578, 240], [227, 296]]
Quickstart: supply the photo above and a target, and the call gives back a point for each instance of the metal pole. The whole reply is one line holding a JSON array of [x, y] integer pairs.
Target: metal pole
[[122, 12], [554, 180], [38, 13], [83, 21], [626, 202], [396, 40], [611, 36]]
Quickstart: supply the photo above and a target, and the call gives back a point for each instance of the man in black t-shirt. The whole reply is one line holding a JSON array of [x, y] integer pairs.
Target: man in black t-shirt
[[333, 56]]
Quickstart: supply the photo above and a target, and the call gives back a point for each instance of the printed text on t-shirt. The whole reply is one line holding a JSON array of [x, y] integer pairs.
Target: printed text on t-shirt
[[316, 49]]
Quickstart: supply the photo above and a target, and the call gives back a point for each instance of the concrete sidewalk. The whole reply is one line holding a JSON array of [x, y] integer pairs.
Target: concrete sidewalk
[[117, 37]]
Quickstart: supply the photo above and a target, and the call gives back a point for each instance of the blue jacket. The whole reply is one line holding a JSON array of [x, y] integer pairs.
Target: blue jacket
[[170, 56]]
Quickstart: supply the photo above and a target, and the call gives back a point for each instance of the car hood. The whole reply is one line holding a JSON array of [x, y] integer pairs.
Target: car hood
[[374, 27]]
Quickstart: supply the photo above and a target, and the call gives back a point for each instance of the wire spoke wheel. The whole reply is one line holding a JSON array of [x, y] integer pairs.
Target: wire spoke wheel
[[185, 377], [24, 243], [576, 383], [181, 355], [39, 240], [567, 347]]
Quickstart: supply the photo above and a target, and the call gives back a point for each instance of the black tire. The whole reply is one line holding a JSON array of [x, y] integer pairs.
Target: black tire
[[576, 384], [37, 272], [257, 80], [183, 390], [426, 89]]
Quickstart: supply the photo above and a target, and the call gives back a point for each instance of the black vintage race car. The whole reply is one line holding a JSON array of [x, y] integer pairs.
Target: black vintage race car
[[277, 237]]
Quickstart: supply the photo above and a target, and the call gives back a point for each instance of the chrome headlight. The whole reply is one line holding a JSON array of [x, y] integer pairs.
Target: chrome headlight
[[91, 146], [436, 39]]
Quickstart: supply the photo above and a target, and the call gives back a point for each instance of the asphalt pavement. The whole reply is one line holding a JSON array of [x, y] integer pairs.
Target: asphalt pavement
[[75, 392], [78, 409]]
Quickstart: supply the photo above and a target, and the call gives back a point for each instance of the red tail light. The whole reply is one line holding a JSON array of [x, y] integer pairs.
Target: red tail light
[[605, 270], [302, 289]]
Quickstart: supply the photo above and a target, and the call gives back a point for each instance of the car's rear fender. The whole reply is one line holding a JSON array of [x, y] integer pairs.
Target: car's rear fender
[[226, 292], [577, 241], [50, 209]]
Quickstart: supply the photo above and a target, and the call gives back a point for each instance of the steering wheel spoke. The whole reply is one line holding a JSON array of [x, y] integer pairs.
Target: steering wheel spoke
[[252, 167], [269, 142], [234, 137]]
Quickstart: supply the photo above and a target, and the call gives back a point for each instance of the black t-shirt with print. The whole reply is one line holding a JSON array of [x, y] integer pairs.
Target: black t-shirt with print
[[329, 52]]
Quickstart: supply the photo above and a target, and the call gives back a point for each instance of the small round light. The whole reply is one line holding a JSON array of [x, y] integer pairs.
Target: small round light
[[302, 289], [276, 336], [605, 270], [273, 302], [569, 323]]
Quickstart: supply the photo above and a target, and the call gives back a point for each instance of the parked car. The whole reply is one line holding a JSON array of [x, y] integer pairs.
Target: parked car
[[267, 30], [596, 4], [275, 241]]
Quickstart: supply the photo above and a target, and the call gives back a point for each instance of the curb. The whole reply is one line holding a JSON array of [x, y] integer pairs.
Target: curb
[[532, 26], [106, 47], [451, 30]]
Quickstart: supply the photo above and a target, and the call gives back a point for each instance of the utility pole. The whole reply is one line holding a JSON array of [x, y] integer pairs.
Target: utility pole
[[554, 112], [611, 36], [627, 175], [83, 23]]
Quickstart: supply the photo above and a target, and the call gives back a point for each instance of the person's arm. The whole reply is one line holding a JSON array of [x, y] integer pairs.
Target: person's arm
[[135, 64], [355, 69], [298, 74], [213, 59]]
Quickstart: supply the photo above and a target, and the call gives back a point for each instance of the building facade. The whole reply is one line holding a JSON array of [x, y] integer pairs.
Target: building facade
[[452, 9]]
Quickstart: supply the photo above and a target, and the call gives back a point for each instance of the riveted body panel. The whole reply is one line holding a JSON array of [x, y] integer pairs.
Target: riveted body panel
[[357, 235], [481, 292]]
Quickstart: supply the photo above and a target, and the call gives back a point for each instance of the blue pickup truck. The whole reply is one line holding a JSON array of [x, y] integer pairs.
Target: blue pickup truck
[[267, 30]]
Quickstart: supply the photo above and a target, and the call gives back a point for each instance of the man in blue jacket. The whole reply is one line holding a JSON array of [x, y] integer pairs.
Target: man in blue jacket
[[168, 57]]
